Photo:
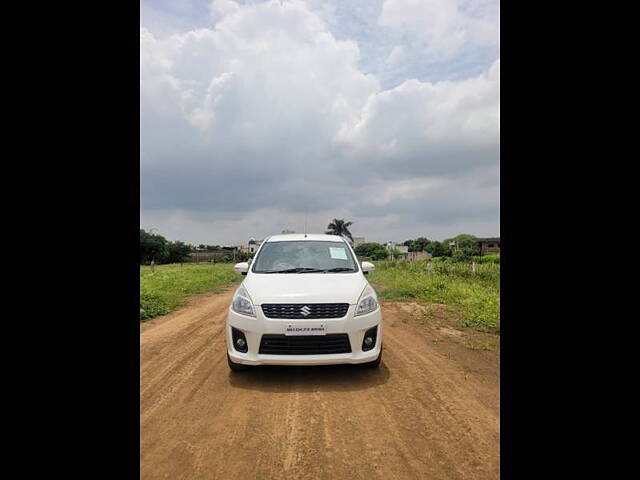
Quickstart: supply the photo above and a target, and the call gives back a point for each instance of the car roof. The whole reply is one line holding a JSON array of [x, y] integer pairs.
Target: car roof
[[317, 237]]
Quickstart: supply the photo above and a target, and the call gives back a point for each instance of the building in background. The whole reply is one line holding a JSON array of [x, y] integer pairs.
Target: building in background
[[209, 256], [413, 256], [254, 245], [358, 241], [488, 245], [402, 250]]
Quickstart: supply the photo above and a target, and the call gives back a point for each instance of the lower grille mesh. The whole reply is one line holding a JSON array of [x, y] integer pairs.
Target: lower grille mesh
[[305, 345]]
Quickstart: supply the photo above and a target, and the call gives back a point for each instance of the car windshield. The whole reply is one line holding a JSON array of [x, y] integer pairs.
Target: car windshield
[[304, 257]]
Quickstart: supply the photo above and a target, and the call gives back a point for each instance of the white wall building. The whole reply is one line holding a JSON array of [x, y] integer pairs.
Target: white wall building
[[403, 250], [254, 245]]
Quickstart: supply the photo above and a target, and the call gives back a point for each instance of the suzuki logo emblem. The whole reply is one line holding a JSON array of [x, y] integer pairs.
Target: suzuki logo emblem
[[305, 310]]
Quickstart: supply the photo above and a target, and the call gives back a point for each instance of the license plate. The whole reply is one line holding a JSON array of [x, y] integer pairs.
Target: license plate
[[305, 329]]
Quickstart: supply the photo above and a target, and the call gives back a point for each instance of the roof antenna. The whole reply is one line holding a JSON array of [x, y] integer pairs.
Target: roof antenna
[[305, 224]]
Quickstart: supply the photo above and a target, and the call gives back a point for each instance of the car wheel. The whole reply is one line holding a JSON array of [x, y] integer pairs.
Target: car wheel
[[376, 362], [235, 367]]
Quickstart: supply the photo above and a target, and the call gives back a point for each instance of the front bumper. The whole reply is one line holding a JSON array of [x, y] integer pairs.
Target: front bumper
[[254, 328]]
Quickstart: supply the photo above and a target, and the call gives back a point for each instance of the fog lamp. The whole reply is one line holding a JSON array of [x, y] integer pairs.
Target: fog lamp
[[239, 340], [369, 340]]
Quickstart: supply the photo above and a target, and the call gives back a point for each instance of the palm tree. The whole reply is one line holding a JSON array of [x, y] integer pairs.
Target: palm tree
[[340, 227]]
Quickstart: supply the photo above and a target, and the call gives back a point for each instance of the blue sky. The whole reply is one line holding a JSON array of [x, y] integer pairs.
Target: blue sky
[[255, 114]]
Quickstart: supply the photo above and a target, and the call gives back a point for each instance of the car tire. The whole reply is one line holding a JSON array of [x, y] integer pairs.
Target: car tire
[[376, 362], [235, 367]]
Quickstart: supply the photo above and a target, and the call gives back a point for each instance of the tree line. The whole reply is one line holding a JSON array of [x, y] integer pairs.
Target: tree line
[[463, 248], [157, 249]]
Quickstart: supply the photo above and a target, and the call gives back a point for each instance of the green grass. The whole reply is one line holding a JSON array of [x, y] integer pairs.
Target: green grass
[[164, 289], [475, 297], [487, 258]]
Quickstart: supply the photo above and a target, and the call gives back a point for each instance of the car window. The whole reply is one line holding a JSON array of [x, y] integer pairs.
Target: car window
[[304, 256]]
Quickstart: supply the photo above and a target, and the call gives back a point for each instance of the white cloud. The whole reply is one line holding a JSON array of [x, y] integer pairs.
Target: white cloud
[[266, 114], [444, 26], [443, 123], [224, 7], [266, 69]]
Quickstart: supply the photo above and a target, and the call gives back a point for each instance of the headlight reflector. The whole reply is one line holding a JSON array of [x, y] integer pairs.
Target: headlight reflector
[[242, 303], [368, 301]]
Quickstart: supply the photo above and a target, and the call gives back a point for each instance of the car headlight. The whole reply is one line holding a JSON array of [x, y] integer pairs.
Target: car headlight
[[242, 302], [368, 301]]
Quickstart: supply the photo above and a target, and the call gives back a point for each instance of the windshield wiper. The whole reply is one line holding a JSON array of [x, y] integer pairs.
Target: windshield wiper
[[295, 270], [310, 270]]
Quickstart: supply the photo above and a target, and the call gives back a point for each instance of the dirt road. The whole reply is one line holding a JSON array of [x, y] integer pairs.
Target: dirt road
[[430, 411]]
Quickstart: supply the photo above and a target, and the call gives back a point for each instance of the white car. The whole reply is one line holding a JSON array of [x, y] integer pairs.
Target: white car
[[305, 301]]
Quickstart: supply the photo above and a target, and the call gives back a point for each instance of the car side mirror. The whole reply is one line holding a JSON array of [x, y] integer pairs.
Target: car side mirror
[[242, 268], [368, 267]]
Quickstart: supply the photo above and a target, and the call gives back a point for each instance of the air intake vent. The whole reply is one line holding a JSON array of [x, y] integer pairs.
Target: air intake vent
[[305, 310], [272, 344]]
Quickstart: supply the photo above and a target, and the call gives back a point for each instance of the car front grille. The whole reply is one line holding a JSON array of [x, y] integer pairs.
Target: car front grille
[[272, 344], [305, 310]]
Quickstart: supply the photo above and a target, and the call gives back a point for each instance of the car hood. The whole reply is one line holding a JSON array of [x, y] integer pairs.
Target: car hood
[[305, 287]]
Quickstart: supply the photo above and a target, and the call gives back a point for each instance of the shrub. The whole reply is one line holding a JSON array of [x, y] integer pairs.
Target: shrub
[[374, 250], [153, 305], [462, 254]]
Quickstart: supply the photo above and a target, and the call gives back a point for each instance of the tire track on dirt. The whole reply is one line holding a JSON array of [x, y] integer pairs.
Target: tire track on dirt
[[420, 415], [446, 401], [180, 350]]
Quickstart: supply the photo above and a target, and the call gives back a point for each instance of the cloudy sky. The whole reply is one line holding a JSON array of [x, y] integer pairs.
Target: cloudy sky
[[256, 114]]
